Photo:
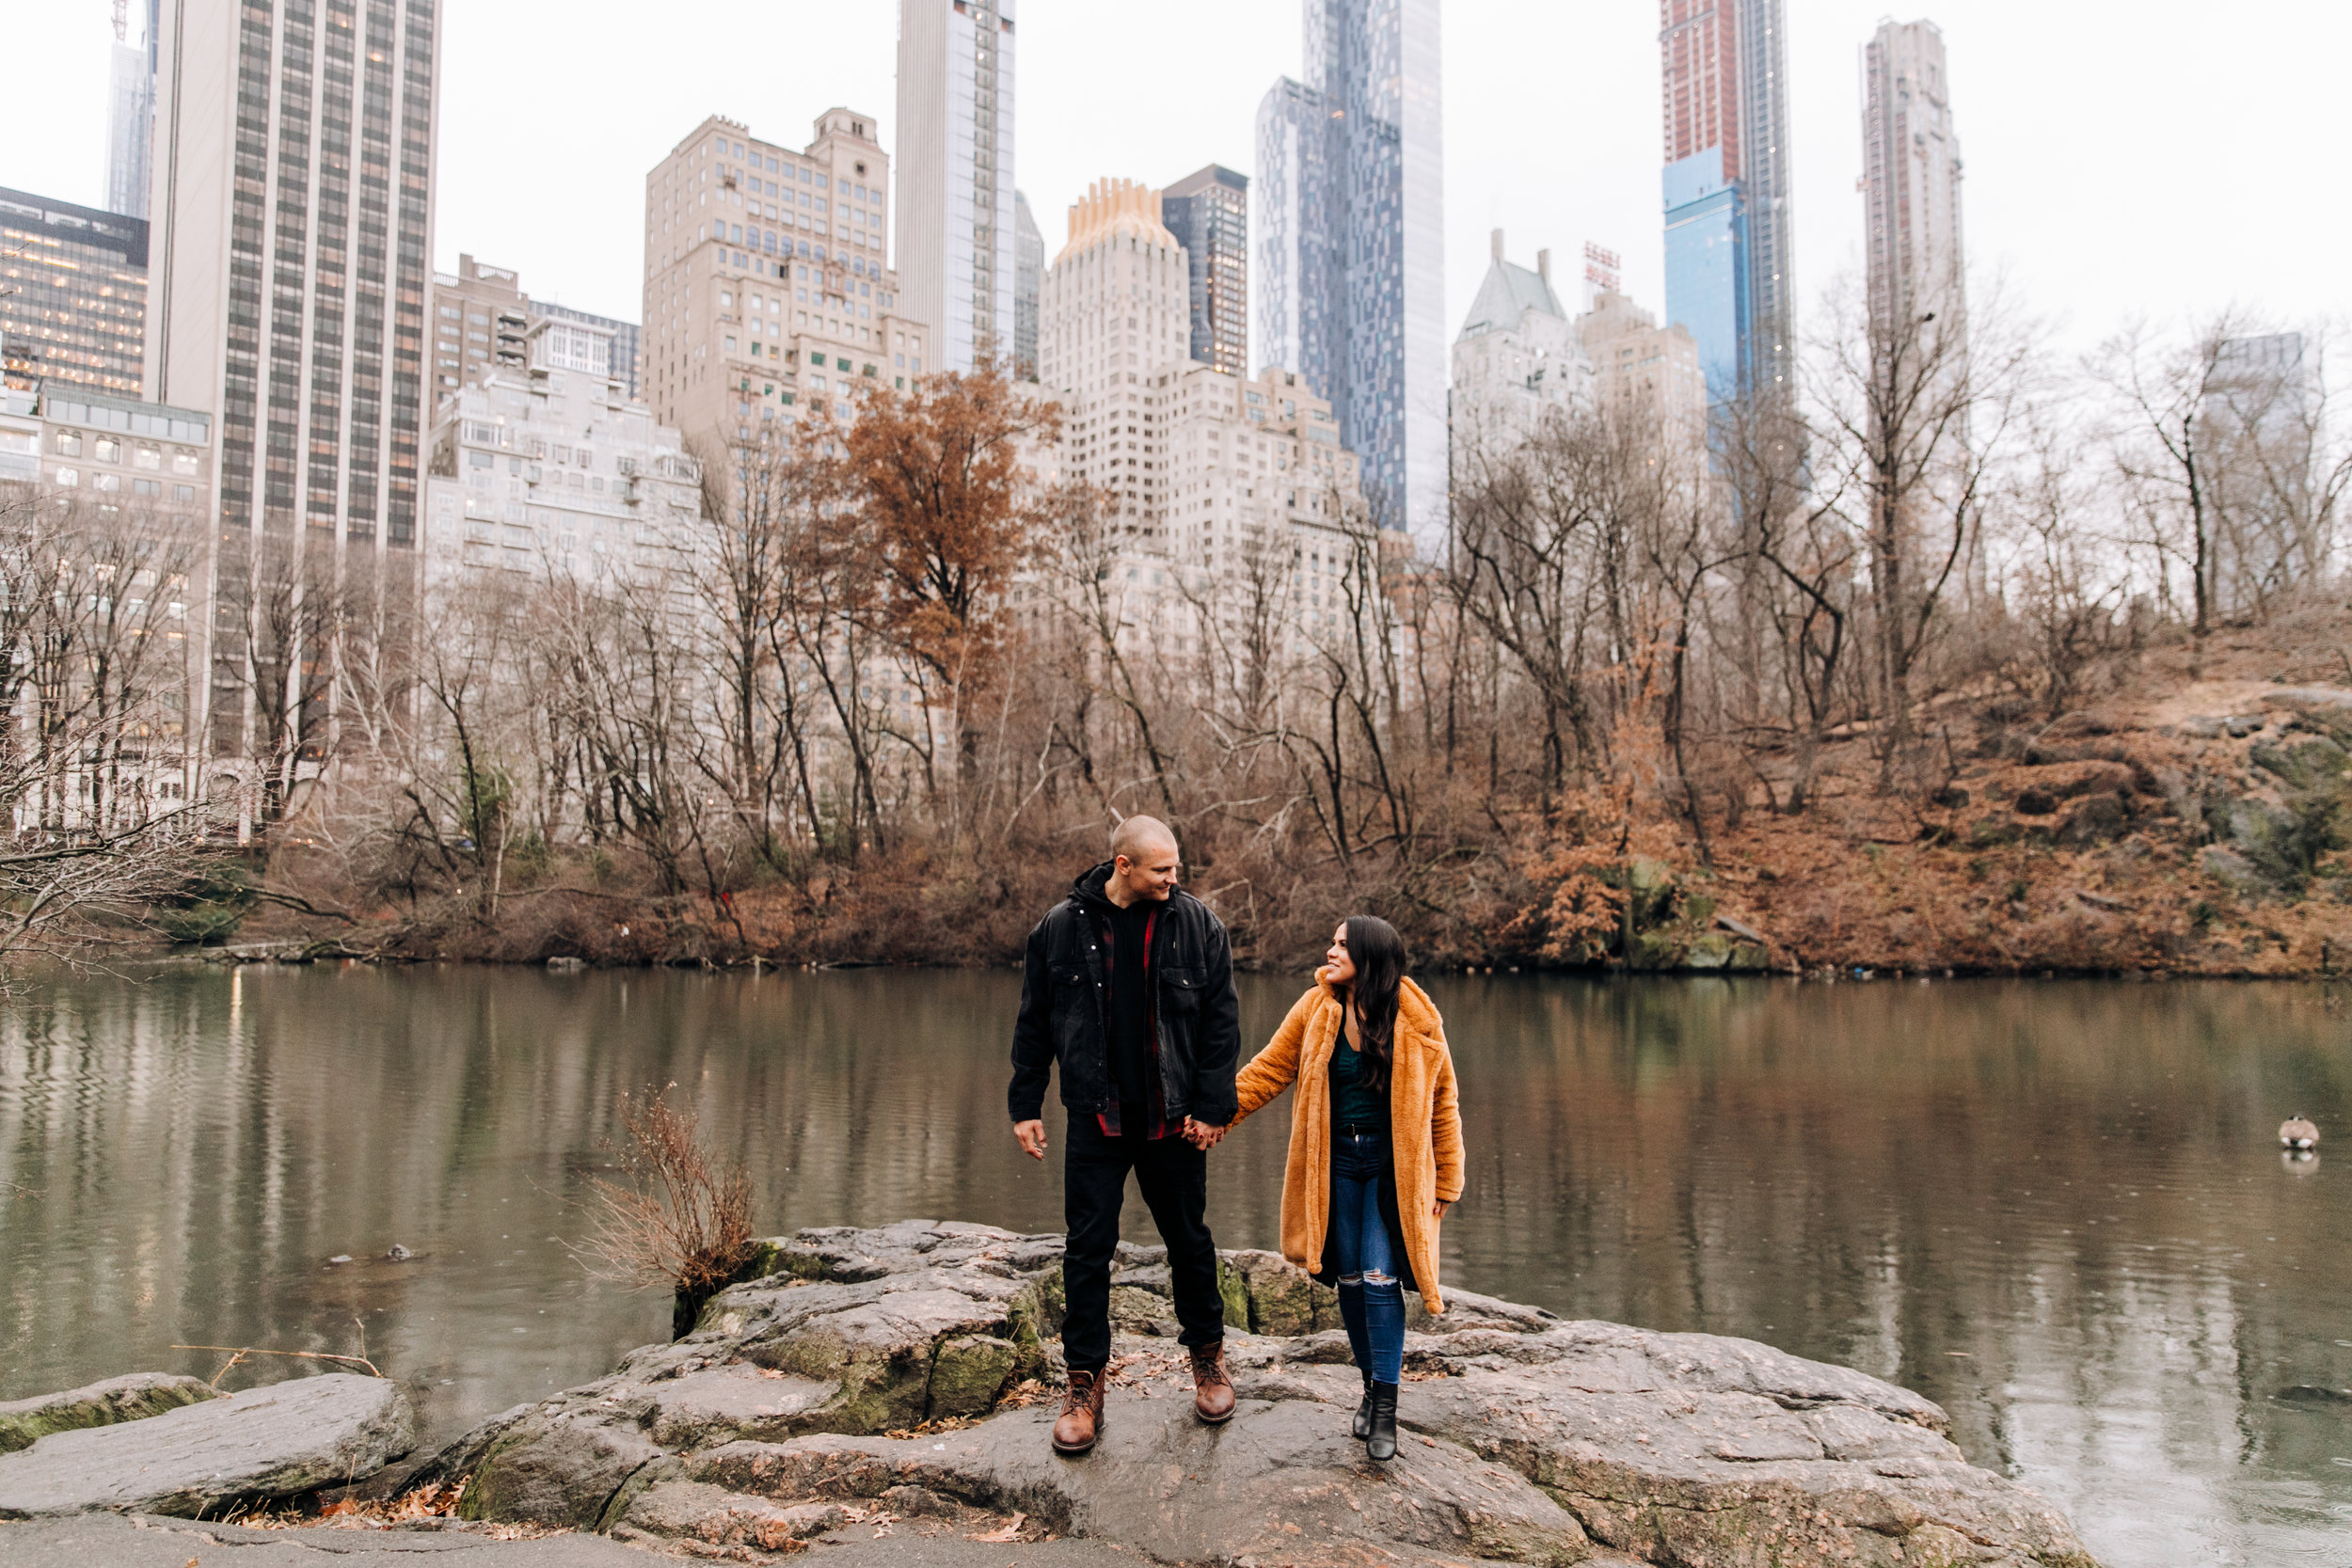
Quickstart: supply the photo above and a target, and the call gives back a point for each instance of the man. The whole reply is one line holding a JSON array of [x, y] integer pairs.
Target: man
[[1130, 987]]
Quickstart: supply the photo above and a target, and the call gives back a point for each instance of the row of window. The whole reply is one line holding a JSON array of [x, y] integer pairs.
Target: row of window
[[105, 449], [768, 163], [70, 479]]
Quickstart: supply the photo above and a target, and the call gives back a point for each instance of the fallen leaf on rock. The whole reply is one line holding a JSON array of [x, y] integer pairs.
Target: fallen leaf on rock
[[1009, 1530]]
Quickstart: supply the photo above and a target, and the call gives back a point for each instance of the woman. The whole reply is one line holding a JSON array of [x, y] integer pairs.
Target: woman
[[1376, 1148]]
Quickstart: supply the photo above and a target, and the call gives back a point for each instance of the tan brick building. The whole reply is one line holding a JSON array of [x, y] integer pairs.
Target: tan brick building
[[767, 291]]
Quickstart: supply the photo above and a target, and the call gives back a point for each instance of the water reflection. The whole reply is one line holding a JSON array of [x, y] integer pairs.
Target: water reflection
[[2059, 1208]]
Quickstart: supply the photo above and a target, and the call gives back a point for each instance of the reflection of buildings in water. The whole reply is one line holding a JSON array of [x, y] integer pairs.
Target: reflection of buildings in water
[[2038, 1205]]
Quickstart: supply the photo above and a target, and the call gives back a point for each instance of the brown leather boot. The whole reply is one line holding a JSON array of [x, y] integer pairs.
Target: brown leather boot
[[1212, 1390], [1081, 1420]]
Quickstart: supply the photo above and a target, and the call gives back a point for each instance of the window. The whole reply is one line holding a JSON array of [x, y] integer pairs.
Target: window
[[146, 457], [146, 487], [451, 312], [105, 482], [68, 445], [183, 492], [109, 449], [69, 478]]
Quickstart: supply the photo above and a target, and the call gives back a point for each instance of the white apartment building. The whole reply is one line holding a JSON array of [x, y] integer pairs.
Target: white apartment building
[[1230, 489], [1519, 359], [1114, 308], [554, 469], [1260, 491], [956, 225], [120, 470]]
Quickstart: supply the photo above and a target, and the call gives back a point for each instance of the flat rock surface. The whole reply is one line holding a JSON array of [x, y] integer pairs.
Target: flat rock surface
[[908, 1372], [130, 1398], [264, 1442], [113, 1541]]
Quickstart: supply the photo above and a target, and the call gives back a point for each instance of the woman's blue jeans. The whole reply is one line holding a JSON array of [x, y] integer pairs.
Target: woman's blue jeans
[[1371, 1303]]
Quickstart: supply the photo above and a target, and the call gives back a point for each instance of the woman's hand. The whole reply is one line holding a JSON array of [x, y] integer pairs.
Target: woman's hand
[[1436, 1209]]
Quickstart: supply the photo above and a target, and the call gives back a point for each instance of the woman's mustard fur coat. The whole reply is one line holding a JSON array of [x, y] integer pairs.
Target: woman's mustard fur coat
[[1425, 1126]]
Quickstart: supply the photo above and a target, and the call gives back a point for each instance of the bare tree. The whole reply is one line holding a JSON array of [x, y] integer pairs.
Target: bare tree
[[2222, 439], [1915, 410]]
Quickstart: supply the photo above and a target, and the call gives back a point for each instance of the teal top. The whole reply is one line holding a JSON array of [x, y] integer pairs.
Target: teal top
[[1352, 1102]]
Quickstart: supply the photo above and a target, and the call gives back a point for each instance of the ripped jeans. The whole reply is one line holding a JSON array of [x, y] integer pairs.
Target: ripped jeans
[[1371, 1303]]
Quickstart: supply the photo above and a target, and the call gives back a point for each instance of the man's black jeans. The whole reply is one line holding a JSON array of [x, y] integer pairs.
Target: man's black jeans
[[1174, 1177]]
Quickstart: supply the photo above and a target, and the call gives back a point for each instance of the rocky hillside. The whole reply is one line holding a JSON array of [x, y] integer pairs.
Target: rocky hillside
[[2187, 822]]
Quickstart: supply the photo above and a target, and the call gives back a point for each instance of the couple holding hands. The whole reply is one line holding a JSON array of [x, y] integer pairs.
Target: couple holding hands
[[1129, 985]]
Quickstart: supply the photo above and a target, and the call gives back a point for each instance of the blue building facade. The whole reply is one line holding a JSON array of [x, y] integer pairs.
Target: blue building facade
[[1350, 252], [1707, 267], [1730, 276]]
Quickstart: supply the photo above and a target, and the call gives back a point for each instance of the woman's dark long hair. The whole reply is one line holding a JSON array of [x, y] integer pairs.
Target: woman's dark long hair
[[1378, 955]]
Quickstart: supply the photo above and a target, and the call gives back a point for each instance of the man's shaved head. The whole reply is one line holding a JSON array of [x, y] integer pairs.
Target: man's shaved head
[[1138, 836]]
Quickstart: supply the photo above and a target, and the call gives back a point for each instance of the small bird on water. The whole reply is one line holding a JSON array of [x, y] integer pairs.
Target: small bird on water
[[2297, 1132]]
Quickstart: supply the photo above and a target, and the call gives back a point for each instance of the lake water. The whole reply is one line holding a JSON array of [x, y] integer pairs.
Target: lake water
[[2057, 1208]]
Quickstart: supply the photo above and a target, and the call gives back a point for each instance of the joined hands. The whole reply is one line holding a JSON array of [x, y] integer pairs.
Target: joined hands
[[1201, 1134]]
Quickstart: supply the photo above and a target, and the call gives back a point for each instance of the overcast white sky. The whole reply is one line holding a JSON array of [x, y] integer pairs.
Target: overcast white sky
[[2161, 158]]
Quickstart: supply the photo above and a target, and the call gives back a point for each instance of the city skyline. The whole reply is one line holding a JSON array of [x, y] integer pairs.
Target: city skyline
[[1577, 166]]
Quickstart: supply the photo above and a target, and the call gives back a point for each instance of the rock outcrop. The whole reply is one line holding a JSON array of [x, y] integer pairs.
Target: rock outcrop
[[260, 1445], [908, 1371], [133, 1397]]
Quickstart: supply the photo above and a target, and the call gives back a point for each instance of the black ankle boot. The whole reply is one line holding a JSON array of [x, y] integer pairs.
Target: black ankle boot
[[1380, 1437], [1362, 1428]]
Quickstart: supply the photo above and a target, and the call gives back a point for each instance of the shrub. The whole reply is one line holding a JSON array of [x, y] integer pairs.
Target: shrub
[[678, 1217]]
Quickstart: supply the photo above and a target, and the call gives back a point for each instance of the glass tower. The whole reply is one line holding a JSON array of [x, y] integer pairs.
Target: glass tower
[[1208, 211], [1726, 188], [131, 118], [73, 294], [1029, 272], [1350, 243]]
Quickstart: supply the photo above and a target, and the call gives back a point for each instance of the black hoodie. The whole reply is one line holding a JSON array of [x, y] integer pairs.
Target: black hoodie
[[1065, 1002]]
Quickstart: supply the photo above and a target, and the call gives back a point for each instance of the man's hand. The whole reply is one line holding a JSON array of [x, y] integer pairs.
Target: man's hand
[[1436, 1209], [1202, 1135], [1032, 1137]]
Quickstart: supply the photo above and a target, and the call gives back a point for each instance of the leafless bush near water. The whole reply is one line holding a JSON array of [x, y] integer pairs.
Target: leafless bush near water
[[678, 1216]]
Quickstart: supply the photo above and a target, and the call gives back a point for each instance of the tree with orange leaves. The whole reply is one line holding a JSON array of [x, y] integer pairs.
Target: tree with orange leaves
[[950, 515]]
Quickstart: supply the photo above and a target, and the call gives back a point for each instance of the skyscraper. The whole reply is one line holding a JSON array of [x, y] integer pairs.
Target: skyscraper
[[955, 174], [1729, 276], [1112, 312], [1351, 264], [766, 296], [1028, 274], [293, 222], [131, 117], [1229, 485], [1911, 175], [73, 294], [294, 216], [1208, 211]]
